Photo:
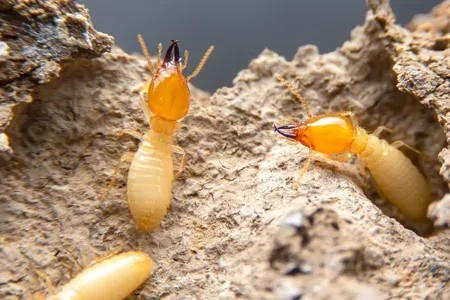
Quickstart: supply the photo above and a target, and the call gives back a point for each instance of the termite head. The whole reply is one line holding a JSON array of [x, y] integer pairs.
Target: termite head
[[328, 133], [168, 92], [294, 132]]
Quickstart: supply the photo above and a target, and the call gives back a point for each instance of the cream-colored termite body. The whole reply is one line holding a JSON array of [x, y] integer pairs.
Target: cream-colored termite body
[[397, 179], [115, 277], [164, 101], [151, 174]]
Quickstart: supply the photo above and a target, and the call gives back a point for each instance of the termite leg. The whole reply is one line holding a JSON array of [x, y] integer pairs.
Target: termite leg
[[101, 258], [339, 157], [127, 156], [377, 132], [362, 171], [182, 164], [143, 103], [398, 144], [343, 157], [131, 132], [303, 171]]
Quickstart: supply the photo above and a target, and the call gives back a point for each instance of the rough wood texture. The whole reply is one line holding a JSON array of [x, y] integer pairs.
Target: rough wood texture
[[235, 228], [421, 59], [35, 38]]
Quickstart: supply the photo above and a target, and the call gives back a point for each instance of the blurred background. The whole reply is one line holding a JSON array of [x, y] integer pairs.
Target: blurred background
[[239, 29]]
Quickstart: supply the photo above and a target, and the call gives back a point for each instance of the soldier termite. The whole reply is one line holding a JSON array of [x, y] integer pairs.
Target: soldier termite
[[397, 179], [164, 100], [114, 277]]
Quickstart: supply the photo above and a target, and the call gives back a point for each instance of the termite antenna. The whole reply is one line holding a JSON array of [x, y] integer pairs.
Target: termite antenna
[[296, 93], [201, 64], [186, 58], [160, 48], [146, 54]]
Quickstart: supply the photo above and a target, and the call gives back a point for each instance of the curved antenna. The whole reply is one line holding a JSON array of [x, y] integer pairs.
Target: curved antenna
[[201, 64], [186, 58], [146, 54], [297, 94], [160, 47]]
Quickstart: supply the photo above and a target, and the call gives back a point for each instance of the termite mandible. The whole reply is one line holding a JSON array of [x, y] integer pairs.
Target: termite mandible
[[164, 100], [398, 180]]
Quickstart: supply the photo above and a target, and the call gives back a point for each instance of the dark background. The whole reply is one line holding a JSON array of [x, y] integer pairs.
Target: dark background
[[239, 29]]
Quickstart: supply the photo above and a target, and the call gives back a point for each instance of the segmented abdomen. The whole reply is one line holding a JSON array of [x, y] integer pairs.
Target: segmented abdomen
[[399, 181], [112, 278], [150, 180]]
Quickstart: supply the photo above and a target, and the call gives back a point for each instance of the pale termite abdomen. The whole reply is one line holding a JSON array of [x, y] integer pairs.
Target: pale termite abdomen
[[150, 180], [398, 180], [112, 278]]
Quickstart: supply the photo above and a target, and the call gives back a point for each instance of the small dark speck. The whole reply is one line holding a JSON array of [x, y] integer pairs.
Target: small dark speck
[[335, 225]]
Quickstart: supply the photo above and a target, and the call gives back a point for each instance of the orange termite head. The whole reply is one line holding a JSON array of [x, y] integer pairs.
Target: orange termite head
[[329, 133], [168, 92]]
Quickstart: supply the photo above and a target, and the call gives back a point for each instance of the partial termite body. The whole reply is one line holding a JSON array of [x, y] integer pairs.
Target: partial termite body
[[397, 179], [164, 101], [114, 277]]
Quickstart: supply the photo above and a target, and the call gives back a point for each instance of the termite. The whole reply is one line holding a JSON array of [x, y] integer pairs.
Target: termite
[[113, 277], [395, 176], [164, 100]]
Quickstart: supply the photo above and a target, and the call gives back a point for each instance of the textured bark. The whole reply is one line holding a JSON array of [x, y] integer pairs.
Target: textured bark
[[422, 64], [35, 38], [236, 228]]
